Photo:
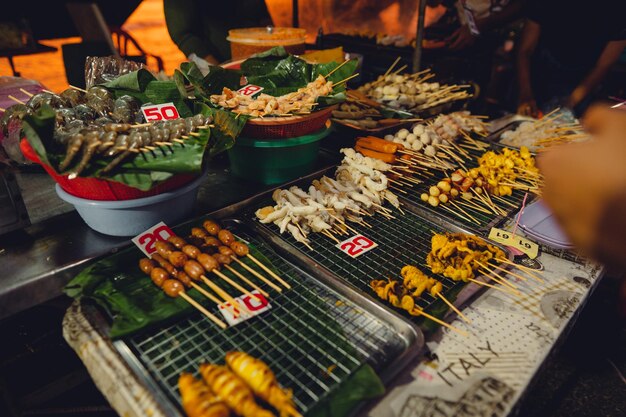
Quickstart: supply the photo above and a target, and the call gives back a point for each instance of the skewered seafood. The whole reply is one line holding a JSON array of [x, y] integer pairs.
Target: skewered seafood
[[262, 381], [360, 187], [411, 91], [120, 140], [233, 390], [458, 256], [300, 101], [545, 132], [198, 400]]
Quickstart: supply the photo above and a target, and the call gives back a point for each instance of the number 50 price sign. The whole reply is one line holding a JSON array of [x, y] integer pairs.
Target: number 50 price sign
[[157, 112]]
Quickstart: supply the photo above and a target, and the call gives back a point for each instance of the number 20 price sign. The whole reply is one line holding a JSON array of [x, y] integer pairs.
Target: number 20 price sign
[[356, 245], [146, 240], [157, 112]]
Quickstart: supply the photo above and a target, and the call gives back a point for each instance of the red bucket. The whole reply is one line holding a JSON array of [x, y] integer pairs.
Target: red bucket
[[99, 189]]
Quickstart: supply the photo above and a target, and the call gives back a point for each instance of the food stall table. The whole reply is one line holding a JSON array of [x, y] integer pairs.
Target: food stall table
[[488, 372]]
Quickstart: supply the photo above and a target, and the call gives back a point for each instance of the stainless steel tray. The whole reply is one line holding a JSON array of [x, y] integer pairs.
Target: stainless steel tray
[[401, 241], [315, 336]]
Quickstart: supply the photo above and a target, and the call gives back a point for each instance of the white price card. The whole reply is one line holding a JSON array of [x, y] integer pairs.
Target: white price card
[[146, 240], [507, 238], [157, 112], [250, 307], [356, 245], [250, 90]]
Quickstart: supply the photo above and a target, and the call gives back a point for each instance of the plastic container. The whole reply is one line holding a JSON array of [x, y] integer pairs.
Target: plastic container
[[131, 217], [98, 189], [246, 42], [287, 127], [275, 161], [538, 222]]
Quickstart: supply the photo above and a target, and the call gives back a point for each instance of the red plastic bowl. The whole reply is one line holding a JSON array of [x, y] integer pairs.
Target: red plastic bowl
[[287, 127], [98, 189]]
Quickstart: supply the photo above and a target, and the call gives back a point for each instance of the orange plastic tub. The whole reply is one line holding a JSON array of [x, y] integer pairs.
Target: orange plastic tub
[[246, 42]]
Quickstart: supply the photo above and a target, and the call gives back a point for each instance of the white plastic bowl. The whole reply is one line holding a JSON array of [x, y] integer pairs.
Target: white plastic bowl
[[131, 217]]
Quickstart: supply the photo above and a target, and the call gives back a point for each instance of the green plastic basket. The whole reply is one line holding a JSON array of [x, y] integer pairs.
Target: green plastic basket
[[275, 161]]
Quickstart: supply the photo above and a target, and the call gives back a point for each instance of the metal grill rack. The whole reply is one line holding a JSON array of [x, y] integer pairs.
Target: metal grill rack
[[313, 338], [487, 221], [405, 240]]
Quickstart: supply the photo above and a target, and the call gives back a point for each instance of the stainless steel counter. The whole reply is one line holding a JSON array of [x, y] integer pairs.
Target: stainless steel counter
[[38, 261]]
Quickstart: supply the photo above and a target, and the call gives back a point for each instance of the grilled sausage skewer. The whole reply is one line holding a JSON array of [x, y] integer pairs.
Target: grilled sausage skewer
[[241, 249], [174, 288]]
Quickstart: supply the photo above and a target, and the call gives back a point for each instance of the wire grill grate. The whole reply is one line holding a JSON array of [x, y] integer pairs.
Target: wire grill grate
[[313, 338], [405, 240]]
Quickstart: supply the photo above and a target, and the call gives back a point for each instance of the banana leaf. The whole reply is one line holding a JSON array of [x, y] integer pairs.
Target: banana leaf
[[206, 85]]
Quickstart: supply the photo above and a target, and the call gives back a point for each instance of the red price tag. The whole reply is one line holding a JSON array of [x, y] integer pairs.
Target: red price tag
[[356, 245], [146, 240], [250, 90], [156, 112], [251, 306]]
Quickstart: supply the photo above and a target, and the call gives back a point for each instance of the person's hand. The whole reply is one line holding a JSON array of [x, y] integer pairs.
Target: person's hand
[[528, 107], [460, 39], [585, 186]]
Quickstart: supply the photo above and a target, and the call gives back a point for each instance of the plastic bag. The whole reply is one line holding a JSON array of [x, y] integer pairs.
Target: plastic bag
[[102, 69]]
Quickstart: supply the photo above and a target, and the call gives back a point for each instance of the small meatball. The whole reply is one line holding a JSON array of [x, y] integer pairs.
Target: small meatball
[[424, 197], [194, 269], [225, 250], [158, 276], [222, 259], [433, 201], [240, 248], [164, 264], [178, 259], [172, 288], [164, 249], [191, 251], [184, 279], [146, 265], [198, 232], [226, 237], [212, 241], [443, 198], [208, 262], [444, 186], [177, 241], [434, 191], [211, 227]]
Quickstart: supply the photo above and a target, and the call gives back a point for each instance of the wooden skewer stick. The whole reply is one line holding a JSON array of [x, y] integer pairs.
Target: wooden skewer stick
[[529, 271], [443, 323], [523, 278], [28, 93], [17, 100], [455, 213], [344, 223], [453, 307], [212, 297], [464, 212], [345, 80], [203, 310], [218, 290], [497, 278], [246, 280], [256, 274], [328, 234], [336, 68], [269, 271], [77, 88], [233, 283], [486, 284], [391, 67]]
